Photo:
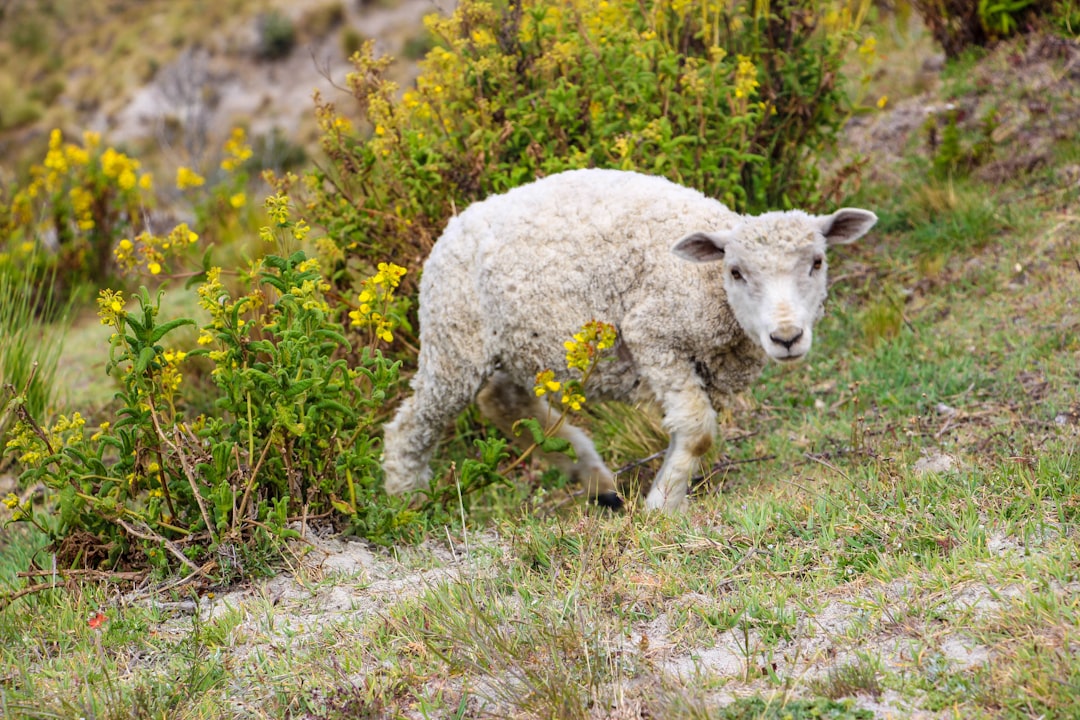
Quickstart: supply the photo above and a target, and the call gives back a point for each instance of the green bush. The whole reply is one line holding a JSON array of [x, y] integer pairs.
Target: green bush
[[960, 24], [293, 436], [736, 99], [276, 35], [77, 201]]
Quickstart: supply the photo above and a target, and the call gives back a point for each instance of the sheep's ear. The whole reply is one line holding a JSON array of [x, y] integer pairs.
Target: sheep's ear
[[846, 225], [702, 247]]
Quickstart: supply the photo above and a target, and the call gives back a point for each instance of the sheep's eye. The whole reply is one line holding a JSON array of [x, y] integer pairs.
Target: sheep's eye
[[735, 274], [816, 266]]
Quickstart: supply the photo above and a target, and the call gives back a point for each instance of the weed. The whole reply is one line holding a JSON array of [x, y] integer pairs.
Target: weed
[[276, 35], [854, 678]]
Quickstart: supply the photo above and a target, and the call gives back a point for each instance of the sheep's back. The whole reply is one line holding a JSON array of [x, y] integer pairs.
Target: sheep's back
[[538, 262]]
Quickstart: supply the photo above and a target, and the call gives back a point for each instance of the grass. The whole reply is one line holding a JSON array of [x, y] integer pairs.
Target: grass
[[27, 364], [825, 569]]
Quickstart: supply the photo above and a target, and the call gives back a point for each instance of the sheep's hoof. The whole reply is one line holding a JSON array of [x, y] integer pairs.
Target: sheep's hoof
[[611, 501]]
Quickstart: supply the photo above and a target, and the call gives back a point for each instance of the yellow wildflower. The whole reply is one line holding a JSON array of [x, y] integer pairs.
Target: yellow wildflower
[[546, 382], [277, 207], [573, 399], [127, 179], [868, 48], [238, 200], [237, 150], [745, 77], [102, 429], [110, 306], [188, 178]]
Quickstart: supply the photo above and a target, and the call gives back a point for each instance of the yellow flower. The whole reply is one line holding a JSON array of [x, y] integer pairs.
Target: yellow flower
[[76, 155], [546, 382], [238, 200], [12, 500], [146, 181], [102, 429], [188, 178], [594, 337], [110, 306], [573, 399], [745, 77], [126, 180], [868, 48], [174, 356], [882, 101], [154, 268], [237, 150], [277, 207], [205, 338]]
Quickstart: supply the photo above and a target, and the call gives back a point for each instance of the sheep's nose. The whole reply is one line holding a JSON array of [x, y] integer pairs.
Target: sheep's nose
[[786, 336]]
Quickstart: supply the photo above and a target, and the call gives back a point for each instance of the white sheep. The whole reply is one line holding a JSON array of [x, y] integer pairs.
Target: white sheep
[[699, 294]]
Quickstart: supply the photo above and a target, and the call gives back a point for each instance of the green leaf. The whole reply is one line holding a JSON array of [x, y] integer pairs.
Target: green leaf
[[162, 330], [145, 356], [332, 406], [557, 445], [335, 336], [343, 507], [534, 428]]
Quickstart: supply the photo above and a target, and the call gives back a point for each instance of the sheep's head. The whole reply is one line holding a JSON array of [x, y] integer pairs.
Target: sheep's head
[[775, 271]]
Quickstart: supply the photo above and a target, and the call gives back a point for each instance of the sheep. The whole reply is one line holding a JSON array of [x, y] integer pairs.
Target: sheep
[[700, 296]]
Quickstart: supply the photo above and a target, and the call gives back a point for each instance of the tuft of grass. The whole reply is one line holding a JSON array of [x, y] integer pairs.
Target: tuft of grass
[[29, 345], [854, 678]]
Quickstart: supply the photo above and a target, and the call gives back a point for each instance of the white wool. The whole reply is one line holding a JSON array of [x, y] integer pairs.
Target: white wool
[[699, 294]]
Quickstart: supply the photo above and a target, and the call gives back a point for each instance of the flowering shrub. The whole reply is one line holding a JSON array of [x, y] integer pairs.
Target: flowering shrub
[[293, 435], [79, 199], [219, 207], [734, 98], [84, 206]]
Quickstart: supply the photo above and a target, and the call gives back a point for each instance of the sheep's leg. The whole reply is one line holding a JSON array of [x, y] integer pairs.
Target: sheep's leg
[[505, 402], [691, 420], [409, 439]]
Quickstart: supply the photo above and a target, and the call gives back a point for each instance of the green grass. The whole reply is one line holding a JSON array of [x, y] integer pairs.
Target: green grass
[[30, 327]]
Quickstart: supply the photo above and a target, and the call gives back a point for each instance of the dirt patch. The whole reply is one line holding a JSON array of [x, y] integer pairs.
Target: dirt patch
[[1021, 121]]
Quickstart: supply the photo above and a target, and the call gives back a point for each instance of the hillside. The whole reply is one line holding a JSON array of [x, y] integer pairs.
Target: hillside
[[173, 77]]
